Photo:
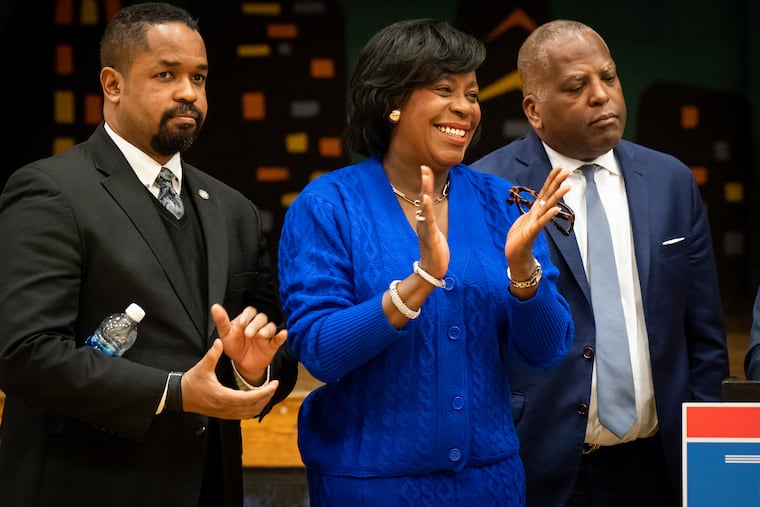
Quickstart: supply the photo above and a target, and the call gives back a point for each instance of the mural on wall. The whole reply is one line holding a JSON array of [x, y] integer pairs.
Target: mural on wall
[[54, 99], [277, 102], [277, 98], [503, 26], [276, 90]]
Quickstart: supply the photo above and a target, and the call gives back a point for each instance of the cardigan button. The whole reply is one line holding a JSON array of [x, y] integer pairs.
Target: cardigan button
[[455, 454], [588, 352], [582, 409]]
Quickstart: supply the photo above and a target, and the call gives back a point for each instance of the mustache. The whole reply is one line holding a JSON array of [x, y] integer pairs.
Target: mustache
[[182, 110]]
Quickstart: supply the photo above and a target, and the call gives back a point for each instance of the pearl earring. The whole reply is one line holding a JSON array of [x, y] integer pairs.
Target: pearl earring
[[394, 116]]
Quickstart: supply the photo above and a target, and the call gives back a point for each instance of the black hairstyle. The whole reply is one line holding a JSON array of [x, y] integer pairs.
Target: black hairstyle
[[126, 33], [398, 59]]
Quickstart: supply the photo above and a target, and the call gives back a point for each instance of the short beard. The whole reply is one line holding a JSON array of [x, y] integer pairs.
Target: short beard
[[167, 142]]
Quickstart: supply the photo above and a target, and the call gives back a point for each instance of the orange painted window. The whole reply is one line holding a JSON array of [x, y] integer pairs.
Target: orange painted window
[[330, 147], [282, 31], [254, 106], [111, 8], [700, 174], [93, 109], [64, 12], [272, 173], [322, 68], [689, 117], [64, 60]]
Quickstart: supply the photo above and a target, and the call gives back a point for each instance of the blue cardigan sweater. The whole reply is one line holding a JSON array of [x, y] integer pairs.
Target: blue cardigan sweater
[[434, 395]]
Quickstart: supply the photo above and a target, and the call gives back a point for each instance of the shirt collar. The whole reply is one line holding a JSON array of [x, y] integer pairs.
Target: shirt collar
[[606, 160], [145, 167]]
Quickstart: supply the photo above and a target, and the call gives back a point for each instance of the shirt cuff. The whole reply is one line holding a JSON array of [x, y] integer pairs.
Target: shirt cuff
[[162, 403], [241, 382]]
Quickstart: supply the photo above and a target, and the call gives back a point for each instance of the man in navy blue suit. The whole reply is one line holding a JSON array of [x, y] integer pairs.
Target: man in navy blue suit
[[574, 103]]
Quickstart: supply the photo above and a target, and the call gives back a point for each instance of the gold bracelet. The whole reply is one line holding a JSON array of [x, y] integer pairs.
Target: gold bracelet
[[530, 282]]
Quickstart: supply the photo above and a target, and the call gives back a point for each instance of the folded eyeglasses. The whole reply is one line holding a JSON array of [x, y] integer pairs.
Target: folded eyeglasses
[[524, 197]]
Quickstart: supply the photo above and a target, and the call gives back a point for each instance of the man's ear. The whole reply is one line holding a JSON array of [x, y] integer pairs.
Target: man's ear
[[111, 81], [532, 111]]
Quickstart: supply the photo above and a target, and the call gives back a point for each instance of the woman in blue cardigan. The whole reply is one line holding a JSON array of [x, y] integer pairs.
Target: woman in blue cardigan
[[407, 278]]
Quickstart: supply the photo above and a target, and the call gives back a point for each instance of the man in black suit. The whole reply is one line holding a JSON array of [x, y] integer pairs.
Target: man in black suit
[[85, 235]]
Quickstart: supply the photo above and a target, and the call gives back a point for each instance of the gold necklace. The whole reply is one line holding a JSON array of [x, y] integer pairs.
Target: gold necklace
[[418, 202]]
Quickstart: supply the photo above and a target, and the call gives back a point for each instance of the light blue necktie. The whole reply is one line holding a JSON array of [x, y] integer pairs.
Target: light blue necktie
[[167, 195], [614, 378]]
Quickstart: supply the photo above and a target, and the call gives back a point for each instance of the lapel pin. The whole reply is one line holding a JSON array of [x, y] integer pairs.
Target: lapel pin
[[203, 194]]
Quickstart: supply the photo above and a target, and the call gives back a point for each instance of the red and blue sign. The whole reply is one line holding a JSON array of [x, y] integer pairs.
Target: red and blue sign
[[721, 454]]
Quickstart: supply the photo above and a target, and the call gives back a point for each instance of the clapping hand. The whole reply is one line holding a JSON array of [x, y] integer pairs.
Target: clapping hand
[[251, 341]]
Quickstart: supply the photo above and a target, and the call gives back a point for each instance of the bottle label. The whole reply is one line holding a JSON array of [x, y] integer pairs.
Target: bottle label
[[96, 342]]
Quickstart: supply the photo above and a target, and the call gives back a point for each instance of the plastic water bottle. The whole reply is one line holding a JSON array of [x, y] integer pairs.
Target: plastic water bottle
[[117, 332]]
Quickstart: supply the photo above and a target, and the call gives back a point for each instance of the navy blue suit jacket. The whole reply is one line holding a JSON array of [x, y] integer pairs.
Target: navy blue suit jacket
[[682, 309], [752, 357]]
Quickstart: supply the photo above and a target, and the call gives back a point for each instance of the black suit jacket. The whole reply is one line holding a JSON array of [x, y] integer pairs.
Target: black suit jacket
[[682, 310], [82, 239]]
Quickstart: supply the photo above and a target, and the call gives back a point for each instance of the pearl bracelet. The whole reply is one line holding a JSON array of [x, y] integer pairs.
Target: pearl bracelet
[[399, 303], [427, 276]]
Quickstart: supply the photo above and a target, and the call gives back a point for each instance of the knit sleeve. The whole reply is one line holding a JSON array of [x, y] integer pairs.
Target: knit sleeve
[[329, 330], [540, 328]]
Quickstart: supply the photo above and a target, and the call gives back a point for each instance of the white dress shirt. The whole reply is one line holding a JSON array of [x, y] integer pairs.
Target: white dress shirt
[[145, 167], [609, 181]]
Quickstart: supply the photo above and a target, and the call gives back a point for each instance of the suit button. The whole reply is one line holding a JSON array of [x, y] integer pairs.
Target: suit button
[[582, 409], [588, 352], [200, 431]]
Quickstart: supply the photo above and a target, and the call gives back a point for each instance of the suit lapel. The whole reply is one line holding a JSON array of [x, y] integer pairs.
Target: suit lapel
[[126, 189], [212, 223], [637, 189], [535, 168]]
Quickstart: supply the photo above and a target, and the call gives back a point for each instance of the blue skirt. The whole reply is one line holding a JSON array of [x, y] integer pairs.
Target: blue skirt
[[499, 485]]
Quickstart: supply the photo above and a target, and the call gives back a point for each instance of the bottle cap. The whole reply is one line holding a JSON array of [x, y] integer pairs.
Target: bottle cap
[[135, 312]]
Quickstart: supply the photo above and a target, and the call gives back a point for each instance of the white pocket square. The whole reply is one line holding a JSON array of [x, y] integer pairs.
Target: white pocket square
[[672, 241]]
